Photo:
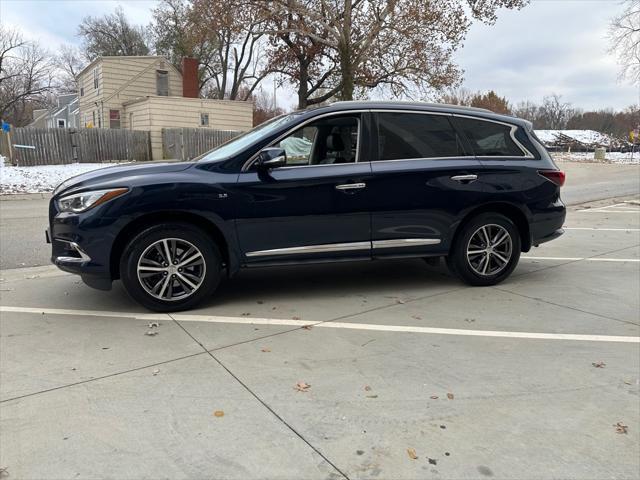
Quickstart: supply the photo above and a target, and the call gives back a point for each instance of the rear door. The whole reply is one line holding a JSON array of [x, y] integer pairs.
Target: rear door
[[424, 178]]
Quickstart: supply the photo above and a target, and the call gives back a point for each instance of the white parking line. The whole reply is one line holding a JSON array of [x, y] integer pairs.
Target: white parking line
[[586, 259], [339, 325], [597, 229]]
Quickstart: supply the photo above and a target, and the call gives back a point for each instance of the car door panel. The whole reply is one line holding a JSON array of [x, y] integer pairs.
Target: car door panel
[[284, 214]]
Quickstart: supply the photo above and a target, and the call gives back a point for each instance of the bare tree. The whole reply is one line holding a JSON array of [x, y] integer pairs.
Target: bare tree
[[175, 36], [554, 113], [457, 96], [400, 45], [302, 59], [26, 76], [624, 35], [70, 63], [236, 28], [112, 35]]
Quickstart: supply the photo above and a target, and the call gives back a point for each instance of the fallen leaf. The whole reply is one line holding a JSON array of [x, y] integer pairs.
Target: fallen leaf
[[151, 333], [416, 317], [598, 364], [627, 382], [245, 314], [302, 386], [265, 350], [621, 428], [400, 301], [105, 348], [443, 427], [450, 396], [156, 372], [154, 325], [434, 397], [433, 461], [308, 327], [295, 318], [218, 413], [412, 453], [372, 396], [367, 388]]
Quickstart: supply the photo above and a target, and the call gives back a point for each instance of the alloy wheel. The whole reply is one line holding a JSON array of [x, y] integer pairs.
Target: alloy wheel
[[489, 250], [171, 269]]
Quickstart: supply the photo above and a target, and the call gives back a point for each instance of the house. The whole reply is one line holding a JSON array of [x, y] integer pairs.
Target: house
[[64, 115], [149, 93]]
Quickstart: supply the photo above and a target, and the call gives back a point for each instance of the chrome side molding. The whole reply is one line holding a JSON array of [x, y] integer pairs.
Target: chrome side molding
[[405, 242], [346, 247], [328, 247]]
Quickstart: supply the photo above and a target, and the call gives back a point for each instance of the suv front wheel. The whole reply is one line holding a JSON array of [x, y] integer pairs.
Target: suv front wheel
[[486, 251], [170, 267]]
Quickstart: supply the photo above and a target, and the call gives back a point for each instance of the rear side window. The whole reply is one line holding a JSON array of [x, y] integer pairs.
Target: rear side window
[[412, 135], [489, 139]]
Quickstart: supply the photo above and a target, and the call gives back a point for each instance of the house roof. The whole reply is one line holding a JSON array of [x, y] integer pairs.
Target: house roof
[[109, 57]]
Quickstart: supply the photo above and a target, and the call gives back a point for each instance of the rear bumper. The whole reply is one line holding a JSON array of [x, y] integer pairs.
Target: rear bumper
[[548, 225]]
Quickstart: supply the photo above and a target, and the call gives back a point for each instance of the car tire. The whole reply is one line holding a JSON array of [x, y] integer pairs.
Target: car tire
[[190, 276], [478, 262]]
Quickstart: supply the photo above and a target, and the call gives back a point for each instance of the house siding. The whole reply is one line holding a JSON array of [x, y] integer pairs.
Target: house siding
[[176, 112]]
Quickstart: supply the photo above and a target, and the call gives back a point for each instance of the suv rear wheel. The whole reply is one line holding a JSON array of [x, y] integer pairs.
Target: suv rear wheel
[[171, 267], [486, 251]]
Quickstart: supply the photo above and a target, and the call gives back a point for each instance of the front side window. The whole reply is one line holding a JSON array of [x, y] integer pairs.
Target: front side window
[[489, 139], [95, 78], [329, 140], [414, 135]]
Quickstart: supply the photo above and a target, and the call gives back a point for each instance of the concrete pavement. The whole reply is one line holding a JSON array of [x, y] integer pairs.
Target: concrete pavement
[[401, 359]]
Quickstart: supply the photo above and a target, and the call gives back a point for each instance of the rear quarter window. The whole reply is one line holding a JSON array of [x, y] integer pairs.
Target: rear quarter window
[[490, 139]]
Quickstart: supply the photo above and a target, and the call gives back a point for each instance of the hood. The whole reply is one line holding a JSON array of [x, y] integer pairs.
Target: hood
[[119, 173]]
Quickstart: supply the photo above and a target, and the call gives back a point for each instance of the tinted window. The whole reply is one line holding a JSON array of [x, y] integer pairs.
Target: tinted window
[[489, 138], [414, 135]]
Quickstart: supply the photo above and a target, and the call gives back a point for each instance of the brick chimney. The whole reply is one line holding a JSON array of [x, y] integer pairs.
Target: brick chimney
[[190, 77]]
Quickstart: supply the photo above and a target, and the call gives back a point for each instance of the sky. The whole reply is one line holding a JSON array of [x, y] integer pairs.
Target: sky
[[550, 46]]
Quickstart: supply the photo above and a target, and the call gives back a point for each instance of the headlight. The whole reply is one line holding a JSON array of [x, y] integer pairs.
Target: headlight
[[79, 202]]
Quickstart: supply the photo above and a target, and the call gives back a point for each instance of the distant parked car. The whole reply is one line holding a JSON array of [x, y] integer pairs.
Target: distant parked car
[[349, 181]]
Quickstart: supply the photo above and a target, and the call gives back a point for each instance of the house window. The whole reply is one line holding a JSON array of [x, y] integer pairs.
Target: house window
[[93, 118], [82, 91], [162, 83], [95, 78], [62, 123], [114, 118], [131, 121], [204, 119]]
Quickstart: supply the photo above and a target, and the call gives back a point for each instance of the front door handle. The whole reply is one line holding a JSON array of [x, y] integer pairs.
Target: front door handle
[[351, 186], [465, 178]]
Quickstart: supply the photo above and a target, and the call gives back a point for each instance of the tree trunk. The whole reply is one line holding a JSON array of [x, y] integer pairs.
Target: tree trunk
[[303, 87], [346, 68]]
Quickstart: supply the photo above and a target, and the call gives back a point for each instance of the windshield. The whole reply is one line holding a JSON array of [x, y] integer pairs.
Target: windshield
[[239, 143]]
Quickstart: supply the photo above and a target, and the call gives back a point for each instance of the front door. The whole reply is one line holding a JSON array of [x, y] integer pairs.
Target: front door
[[423, 180], [314, 207]]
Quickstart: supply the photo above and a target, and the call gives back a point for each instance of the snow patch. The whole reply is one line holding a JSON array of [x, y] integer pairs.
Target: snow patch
[[41, 178], [625, 158]]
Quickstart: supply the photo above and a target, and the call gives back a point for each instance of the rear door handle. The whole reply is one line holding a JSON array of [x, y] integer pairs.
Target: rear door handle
[[465, 178], [351, 186]]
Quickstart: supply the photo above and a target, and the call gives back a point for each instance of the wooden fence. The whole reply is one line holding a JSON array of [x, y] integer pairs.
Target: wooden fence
[[187, 143], [56, 146]]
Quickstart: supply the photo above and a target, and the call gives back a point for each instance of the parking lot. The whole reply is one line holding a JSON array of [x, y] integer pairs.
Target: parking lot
[[387, 369]]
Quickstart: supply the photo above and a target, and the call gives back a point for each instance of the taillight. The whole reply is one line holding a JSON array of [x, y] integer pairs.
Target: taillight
[[556, 176]]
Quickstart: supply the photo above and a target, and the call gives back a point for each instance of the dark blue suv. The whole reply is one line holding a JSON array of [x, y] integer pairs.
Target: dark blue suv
[[348, 181]]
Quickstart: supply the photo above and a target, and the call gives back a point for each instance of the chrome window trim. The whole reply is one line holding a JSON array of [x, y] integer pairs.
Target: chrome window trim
[[346, 247], [247, 165]]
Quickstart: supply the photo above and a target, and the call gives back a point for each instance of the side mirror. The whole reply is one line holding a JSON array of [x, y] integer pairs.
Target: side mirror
[[271, 157]]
